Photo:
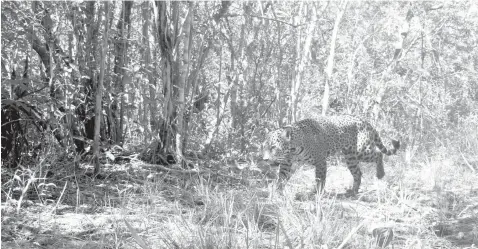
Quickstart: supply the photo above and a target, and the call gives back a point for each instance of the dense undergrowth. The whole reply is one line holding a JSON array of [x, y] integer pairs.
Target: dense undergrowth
[[427, 200]]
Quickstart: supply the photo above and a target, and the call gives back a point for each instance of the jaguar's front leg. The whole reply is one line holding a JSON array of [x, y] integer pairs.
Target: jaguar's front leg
[[284, 175], [320, 175]]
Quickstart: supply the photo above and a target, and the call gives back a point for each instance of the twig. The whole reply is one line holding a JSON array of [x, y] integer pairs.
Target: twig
[[185, 172], [178, 171], [467, 163], [277, 235], [24, 191], [18, 120], [349, 236], [59, 199], [136, 237], [267, 109], [285, 234], [467, 207], [267, 18]]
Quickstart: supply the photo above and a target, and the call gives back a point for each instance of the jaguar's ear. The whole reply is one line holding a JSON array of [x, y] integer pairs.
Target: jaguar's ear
[[286, 132]]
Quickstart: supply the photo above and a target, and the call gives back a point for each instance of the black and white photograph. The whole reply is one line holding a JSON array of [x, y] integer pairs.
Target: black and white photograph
[[239, 124]]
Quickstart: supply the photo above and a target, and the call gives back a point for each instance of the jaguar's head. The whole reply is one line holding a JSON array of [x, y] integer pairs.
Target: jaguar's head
[[277, 145]]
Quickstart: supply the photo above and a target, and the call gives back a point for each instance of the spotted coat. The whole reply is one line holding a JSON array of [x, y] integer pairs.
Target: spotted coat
[[313, 141]]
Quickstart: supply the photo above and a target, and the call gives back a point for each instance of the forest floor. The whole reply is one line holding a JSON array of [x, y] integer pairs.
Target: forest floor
[[432, 203]]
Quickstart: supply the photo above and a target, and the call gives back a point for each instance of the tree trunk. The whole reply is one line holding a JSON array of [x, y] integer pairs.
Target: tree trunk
[[121, 50], [295, 74], [184, 72], [330, 60], [150, 105], [304, 54], [237, 56], [280, 104], [212, 133], [166, 41], [193, 84], [99, 94]]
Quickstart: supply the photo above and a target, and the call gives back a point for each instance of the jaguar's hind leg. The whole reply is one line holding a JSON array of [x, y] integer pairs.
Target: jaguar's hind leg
[[352, 165], [377, 158]]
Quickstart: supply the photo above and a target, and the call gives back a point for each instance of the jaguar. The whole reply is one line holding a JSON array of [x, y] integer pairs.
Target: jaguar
[[312, 141]]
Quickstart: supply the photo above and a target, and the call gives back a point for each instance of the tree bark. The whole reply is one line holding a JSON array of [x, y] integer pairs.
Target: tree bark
[[330, 60], [121, 50], [150, 104], [295, 73], [184, 72], [279, 103], [166, 41], [304, 54], [99, 93]]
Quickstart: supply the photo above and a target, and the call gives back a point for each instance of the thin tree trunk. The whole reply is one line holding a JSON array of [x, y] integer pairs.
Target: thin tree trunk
[[295, 74], [193, 83], [99, 94], [121, 49], [184, 72], [330, 60], [279, 102], [211, 134], [304, 53], [166, 43], [152, 103], [236, 58], [149, 103]]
